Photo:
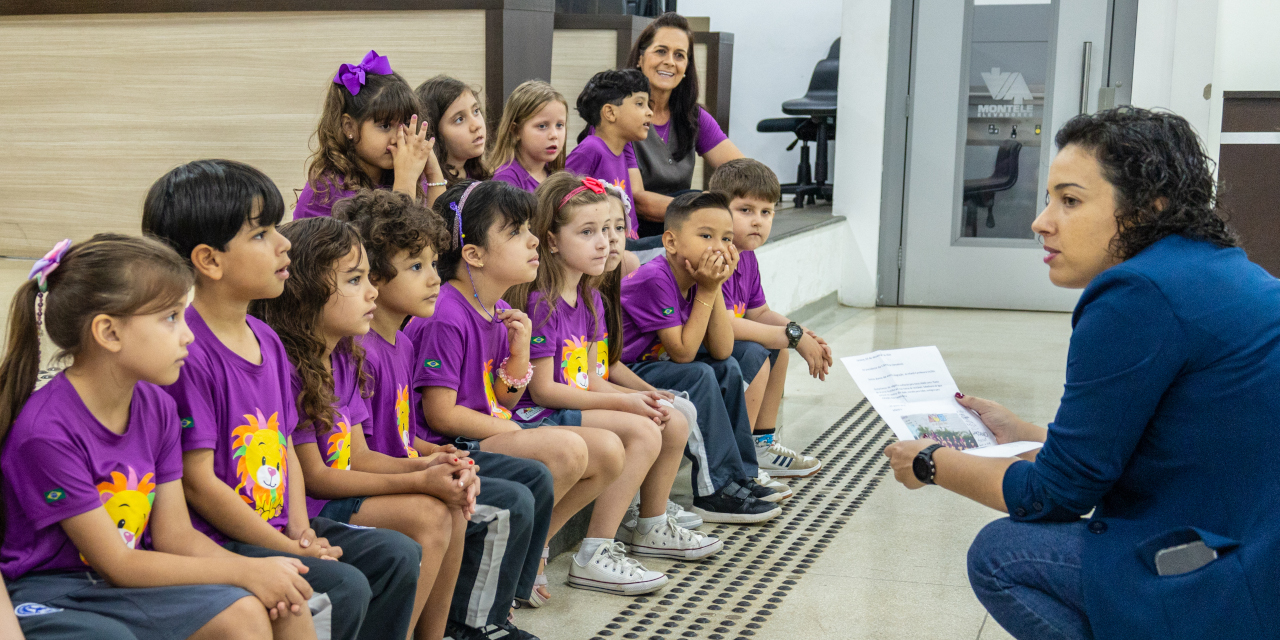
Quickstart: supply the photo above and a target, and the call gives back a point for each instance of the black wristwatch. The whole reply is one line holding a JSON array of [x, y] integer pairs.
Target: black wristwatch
[[794, 333], [923, 465]]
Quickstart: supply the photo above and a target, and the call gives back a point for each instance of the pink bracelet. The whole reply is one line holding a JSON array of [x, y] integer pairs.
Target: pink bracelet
[[502, 373]]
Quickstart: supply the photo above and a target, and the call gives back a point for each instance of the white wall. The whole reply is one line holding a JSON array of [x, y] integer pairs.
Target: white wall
[[1182, 45], [802, 269], [775, 48], [1174, 59], [860, 144]]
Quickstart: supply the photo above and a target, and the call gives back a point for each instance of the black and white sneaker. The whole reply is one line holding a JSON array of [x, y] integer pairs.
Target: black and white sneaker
[[734, 504], [508, 631], [761, 492]]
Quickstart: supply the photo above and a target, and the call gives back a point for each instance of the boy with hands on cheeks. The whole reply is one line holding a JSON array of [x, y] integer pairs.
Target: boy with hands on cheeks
[[762, 336], [678, 336]]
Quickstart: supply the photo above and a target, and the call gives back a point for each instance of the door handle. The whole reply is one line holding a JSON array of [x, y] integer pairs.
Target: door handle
[[1086, 64]]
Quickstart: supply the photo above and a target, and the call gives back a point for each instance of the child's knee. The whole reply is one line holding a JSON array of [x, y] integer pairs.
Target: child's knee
[[566, 454], [676, 434], [245, 618], [431, 521], [612, 454]]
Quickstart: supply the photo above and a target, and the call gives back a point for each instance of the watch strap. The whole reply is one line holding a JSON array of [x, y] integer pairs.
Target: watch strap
[[930, 468], [793, 337]]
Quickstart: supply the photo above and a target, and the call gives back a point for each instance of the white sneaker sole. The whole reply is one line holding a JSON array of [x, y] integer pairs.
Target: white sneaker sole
[[617, 588], [778, 496], [737, 518], [791, 473], [676, 554], [690, 523]]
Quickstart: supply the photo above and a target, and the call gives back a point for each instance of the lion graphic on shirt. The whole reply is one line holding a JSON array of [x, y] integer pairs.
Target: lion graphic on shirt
[[739, 310], [128, 501], [602, 357], [495, 408], [573, 363], [340, 445], [402, 420], [259, 450]]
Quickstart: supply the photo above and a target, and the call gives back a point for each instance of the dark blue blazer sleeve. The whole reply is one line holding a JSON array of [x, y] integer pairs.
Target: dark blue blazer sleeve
[[1126, 349]]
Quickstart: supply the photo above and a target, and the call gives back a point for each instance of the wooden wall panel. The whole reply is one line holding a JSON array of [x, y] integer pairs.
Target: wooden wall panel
[[578, 54], [102, 105]]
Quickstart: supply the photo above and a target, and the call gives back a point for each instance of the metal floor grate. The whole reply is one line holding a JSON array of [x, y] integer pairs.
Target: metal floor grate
[[733, 594]]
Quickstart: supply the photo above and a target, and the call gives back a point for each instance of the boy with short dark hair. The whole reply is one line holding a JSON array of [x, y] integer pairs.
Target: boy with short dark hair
[[678, 336], [615, 105], [763, 336], [240, 472], [402, 239]]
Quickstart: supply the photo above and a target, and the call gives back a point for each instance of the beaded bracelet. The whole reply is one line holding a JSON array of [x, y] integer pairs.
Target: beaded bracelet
[[437, 184], [516, 384]]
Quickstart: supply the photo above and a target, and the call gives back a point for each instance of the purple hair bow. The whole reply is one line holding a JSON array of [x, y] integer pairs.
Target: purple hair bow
[[46, 265], [352, 76]]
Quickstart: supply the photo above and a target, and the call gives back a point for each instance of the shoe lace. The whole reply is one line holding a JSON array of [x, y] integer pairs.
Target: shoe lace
[[783, 450], [682, 534], [673, 509], [616, 552]]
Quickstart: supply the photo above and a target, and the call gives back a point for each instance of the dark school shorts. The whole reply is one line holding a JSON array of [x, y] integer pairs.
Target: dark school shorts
[[560, 418], [342, 510], [154, 613]]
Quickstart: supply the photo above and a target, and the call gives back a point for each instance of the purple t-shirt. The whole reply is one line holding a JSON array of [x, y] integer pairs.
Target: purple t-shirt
[[60, 462], [460, 349], [651, 301], [393, 406], [709, 132], [245, 412], [593, 158], [349, 411], [513, 172], [316, 204], [742, 291], [564, 335]]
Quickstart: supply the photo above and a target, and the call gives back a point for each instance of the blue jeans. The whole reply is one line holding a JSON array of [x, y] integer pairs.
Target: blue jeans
[[1027, 575]]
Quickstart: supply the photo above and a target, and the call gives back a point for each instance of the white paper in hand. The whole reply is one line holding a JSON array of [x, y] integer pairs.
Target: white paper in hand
[[914, 394]]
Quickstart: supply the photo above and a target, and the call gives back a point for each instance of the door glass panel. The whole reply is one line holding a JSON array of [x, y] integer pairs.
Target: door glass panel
[[1008, 52]]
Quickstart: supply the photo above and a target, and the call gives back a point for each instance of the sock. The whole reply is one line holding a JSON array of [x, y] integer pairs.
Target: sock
[[647, 524], [588, 549], [764, 435]]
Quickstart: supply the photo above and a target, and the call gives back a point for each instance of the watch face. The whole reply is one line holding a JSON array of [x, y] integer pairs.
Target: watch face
[[794, 332], [921, 469]]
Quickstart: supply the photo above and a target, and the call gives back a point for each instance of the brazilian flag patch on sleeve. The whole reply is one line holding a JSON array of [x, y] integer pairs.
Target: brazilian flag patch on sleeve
[[53, 495], [187, 423], [539, 340], [431, 363], [668, 311]]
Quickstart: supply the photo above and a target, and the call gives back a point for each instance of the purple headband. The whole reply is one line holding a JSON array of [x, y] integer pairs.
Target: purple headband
[[457, 210], [352, 76]]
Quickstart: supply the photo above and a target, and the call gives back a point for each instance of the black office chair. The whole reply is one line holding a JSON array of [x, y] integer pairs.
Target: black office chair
[[818, 125], [981, 192]]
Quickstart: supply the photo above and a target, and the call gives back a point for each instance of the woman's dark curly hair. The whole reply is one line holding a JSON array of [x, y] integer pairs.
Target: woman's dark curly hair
[[391, 222], [1162, 176], [318, 245]]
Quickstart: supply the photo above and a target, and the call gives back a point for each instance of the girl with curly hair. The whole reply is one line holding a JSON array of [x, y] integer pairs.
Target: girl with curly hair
[[327, 301]]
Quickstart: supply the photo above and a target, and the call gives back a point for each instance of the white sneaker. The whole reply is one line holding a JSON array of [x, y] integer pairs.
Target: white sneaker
[[670, 540], [611, 571], [782, 490], [782, 462], [686, 519], [627, 530]]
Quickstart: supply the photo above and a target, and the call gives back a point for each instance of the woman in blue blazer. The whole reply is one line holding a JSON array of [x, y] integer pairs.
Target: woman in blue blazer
[[1167, 427]]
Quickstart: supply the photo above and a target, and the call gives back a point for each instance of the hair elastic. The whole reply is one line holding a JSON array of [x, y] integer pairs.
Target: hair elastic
[[588, 184], [48, 264]]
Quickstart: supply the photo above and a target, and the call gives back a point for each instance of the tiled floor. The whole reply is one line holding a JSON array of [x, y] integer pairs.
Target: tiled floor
[[897, 569]]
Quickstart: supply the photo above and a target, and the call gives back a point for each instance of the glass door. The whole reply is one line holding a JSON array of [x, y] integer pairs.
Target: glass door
[[991, 81]]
